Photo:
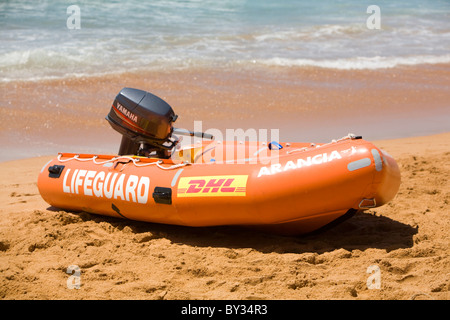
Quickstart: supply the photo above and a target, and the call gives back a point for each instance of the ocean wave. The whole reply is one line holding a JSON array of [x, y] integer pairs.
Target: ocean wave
[[313, 32], [95, 57], [45, 58], [357, 63]]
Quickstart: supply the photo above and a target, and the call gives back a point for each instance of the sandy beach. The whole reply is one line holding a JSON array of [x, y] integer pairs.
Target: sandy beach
[[407, 239]]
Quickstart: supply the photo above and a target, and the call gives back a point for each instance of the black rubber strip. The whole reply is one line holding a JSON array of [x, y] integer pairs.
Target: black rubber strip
[[117, 210]]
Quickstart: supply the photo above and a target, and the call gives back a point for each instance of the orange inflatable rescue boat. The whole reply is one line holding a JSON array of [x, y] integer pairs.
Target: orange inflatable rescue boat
[[290, 188]]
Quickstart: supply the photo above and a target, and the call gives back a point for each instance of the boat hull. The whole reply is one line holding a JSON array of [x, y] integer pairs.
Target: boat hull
[[297, 189]]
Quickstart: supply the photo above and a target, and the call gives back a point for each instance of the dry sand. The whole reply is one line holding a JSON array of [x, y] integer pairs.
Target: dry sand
[[407, 239]]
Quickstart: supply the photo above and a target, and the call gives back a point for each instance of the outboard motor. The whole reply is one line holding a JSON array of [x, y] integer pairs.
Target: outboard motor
[[145, 122]]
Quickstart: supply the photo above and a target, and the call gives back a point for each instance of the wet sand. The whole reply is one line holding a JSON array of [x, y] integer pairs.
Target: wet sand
[[407, 238], [304, 104]]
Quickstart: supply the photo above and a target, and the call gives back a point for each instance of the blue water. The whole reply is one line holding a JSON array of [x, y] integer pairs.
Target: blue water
[[118, 36]]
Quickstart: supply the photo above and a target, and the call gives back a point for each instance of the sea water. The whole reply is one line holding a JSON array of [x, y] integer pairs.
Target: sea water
[[42, 39]]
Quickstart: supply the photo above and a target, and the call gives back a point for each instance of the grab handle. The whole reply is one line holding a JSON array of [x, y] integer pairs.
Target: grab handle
[[186, 132]]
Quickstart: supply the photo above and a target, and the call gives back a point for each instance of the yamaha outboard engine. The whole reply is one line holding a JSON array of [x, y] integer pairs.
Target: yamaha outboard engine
[[145, 122]]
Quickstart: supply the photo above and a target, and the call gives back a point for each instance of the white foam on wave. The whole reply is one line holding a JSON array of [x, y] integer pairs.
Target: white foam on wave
[[311, 33], [39, 64], [358, 63]]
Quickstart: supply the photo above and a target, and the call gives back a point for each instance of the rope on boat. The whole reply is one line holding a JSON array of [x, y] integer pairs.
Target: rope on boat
[[134, 160], [296, 150], [349, 136]]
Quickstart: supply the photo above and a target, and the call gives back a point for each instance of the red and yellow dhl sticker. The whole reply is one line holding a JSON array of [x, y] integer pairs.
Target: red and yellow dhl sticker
[[213, 186]]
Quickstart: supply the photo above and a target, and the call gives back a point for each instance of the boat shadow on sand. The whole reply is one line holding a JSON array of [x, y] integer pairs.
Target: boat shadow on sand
[[363, 231]]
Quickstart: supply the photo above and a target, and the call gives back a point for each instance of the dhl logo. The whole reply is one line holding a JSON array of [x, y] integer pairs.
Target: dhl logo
[[213, 186]]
